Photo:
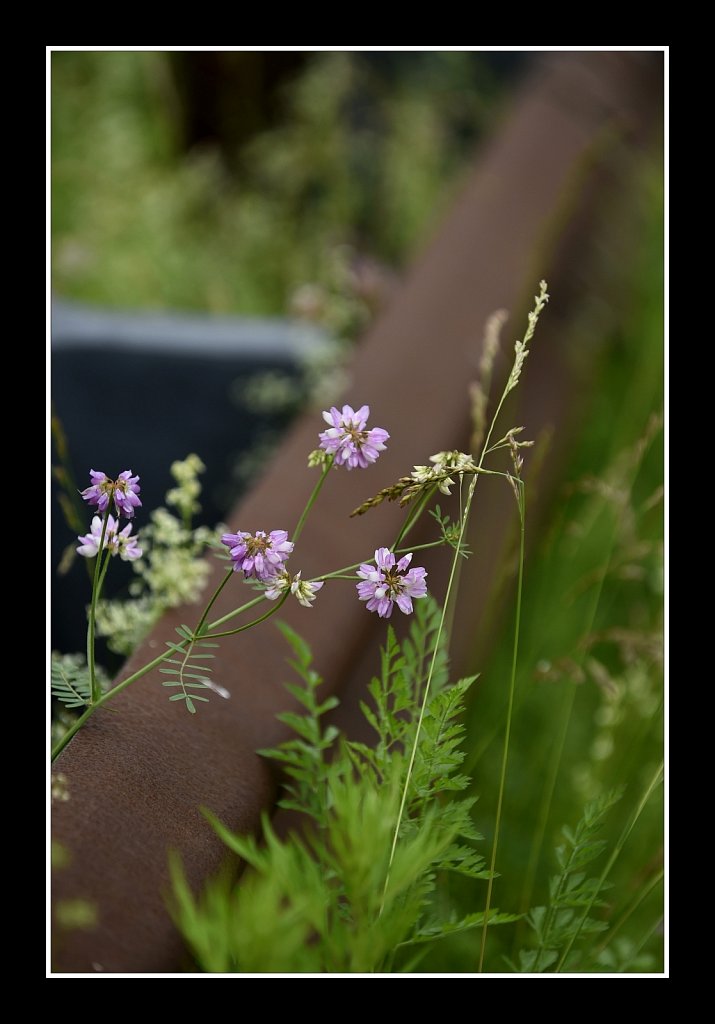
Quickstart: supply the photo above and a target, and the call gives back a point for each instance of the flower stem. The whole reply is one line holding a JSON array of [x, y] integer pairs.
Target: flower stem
[[96, 587], [312, 499], [507, 734], [106, 697], [254, 622], [75, 727], [414, 514], [212, 601], [236, 611]]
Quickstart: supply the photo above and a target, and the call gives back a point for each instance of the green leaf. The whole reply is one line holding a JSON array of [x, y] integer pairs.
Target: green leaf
[[441, 929], [175, 647], [531, 962], [300, 647], [70, 684]]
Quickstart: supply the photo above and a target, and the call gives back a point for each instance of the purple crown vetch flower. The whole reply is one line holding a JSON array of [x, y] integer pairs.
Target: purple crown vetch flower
[[303, 590], [349, 440], [123, 492], [258, 555], [122, 543], [388, 582]]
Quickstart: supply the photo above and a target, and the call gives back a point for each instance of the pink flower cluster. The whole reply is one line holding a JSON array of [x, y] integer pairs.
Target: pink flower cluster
[[119, 543], [124, 492], [258, 556], [349, 440], [390, 582]]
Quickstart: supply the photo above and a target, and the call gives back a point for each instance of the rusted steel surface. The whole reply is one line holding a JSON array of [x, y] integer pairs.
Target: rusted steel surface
[[138, 775]]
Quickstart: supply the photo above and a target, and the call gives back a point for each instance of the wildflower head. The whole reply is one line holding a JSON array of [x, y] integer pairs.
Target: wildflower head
[[388, 582], [127, 545], [119, 543], [349, 440], [303, 590], [259, 556], [445, 463], [124, 492]]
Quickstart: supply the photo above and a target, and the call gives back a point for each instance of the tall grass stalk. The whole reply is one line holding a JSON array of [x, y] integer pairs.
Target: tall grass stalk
[[507, 734], [521, 352]]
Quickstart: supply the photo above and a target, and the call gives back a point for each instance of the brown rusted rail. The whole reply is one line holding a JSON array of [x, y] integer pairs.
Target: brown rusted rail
[[534, 207]]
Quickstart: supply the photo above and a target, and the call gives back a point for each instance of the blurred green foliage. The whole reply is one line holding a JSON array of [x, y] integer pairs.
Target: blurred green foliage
[[589, 699], [361, 155]]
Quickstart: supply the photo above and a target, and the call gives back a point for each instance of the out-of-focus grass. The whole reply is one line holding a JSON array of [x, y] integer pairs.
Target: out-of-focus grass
[[361, 157], [589, 707]]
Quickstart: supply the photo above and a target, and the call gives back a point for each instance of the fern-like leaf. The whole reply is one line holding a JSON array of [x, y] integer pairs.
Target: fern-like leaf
[[440, 929], [303, 757], [189, 671], [419, 647], [557, 924], [439, 752], [70, 683]]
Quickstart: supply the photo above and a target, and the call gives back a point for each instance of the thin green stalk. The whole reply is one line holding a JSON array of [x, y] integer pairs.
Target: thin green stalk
[[254, 622], [420, 547], [631, 909], [105, 698], [622, 840], [212, 601], [91, 628], [449, 622], [74, 728], [552, 773], [423, 705], [236, 611], [495, 417], [509, 715], [103, 574], [312, 499], [197, 631], [414, 514]]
